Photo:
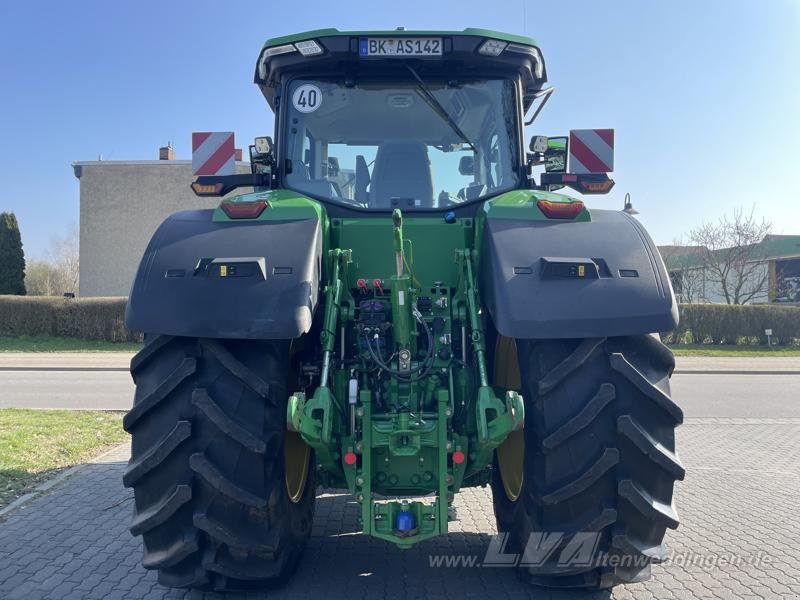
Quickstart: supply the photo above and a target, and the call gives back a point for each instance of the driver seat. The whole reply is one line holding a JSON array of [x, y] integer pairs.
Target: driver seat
[[402, 170]]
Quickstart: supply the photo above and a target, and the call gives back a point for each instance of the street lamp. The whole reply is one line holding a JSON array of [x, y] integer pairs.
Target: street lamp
[[628, 208]]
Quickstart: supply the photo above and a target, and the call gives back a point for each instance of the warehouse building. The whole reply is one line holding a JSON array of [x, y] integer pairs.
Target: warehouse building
[[121, 205]]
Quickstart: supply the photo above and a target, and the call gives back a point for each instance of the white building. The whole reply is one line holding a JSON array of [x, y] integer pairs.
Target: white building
[[771, 275], [121, 205]]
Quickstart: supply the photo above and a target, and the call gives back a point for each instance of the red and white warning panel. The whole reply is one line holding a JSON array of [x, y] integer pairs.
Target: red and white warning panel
[[591, 151], [213, 153]]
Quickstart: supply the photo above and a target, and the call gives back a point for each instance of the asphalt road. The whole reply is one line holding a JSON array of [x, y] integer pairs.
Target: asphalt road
[[96, 390], [729, 395], [701, 396]]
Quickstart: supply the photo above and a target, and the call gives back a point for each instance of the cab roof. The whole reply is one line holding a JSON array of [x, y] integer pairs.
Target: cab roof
[[332, 32], [338, 52]]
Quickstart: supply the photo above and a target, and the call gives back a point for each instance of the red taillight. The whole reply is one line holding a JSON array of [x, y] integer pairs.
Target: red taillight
[[560, 210], [458, 457], [243, 210], [350, 458]]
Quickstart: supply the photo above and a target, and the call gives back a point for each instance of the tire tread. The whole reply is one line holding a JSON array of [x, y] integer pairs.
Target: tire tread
[[207, 464], [607, 398]]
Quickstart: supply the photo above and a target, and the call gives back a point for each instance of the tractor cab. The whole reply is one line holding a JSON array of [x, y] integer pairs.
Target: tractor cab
[[394, 119], [419, 121]]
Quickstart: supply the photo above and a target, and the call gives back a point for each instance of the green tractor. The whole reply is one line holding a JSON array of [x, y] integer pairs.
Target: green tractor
[[403, 307]]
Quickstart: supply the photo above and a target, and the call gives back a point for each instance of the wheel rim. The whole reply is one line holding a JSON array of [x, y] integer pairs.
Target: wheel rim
[[296, 456], [511, 459], [511, 453]]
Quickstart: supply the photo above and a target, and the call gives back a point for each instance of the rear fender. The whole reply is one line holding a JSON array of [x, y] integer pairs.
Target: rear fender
[[202, 277], [570, 279]]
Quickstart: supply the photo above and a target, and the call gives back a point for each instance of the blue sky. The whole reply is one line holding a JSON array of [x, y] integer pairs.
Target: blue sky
[[704, 96]]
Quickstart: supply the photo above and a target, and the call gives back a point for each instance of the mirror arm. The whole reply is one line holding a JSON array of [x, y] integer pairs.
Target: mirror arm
[[535, 158], [545, 96]]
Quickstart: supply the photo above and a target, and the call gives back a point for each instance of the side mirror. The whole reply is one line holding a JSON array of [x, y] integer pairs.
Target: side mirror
[[261, 158], [555, 155], [590, 153], [466, 166], [333, 166]]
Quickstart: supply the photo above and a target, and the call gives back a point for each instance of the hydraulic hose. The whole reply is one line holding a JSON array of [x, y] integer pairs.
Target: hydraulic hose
[[422, 368]]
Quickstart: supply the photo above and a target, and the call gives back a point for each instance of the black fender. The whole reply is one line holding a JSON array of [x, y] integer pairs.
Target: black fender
[[254, 280], [567, 279]]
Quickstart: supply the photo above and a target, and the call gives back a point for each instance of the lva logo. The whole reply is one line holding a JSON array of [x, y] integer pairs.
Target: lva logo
[[577, 550], [570, 551]]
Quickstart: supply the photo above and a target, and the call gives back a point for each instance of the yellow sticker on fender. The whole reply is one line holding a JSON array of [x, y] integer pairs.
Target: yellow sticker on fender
[[223, 270], [581, 270]]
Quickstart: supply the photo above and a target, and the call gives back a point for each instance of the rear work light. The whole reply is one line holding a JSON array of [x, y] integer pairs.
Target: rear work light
[[243, 210], [308, 48], [276, 50], [560, 210], [269, 53], [492, 47]]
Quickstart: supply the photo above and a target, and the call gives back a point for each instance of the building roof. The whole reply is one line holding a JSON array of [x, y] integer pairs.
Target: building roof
[[771, 247], [84, 163], [674, 250], [781, 246]]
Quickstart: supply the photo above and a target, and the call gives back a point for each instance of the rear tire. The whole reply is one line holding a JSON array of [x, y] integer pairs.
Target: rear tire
[[599, 456], [207, 464]]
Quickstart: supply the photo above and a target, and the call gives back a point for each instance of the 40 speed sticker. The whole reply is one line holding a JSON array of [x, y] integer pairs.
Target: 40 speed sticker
[[307, 98]]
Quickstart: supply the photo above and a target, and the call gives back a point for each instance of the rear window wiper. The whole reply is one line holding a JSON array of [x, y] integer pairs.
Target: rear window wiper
[[431, 101]]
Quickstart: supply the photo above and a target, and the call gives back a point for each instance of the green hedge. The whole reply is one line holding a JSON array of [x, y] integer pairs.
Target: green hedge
[[103, 319], [734, 324], [84, 318]]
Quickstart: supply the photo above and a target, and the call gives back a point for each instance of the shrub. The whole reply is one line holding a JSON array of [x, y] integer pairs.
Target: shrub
[[104, 319], [84, 318], [736, 324]]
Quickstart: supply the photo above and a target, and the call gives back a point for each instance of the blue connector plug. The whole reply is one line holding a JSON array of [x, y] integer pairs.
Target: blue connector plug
[[405, 521]]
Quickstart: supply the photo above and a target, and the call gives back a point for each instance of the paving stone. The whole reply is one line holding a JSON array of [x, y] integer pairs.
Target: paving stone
[[738, 500]]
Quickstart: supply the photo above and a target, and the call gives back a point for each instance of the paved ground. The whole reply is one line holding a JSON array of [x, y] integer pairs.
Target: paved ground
[[95, 390], [739, 364], [54, 361], [65, 360], [734, 395], [715, 395], [739, 499]]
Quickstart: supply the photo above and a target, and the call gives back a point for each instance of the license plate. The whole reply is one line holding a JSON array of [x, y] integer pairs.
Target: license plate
[[400, 47]]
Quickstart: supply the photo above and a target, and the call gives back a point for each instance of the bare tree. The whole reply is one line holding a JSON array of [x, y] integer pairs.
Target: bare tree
[[66, 259], [59, 272], [729, 257], [687, 277], [693, 286], [42, 279]]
